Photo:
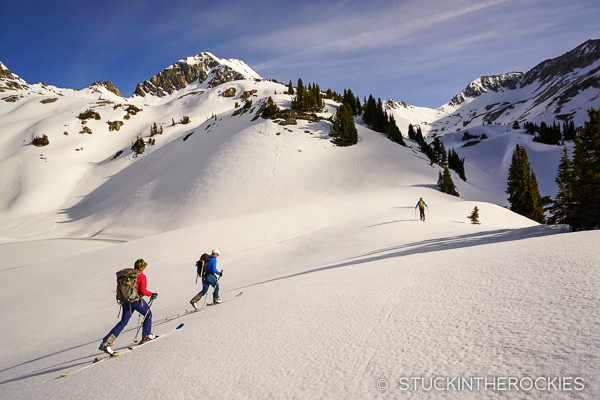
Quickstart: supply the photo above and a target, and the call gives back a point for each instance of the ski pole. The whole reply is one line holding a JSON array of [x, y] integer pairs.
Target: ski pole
[[140, 326], [428, 213]]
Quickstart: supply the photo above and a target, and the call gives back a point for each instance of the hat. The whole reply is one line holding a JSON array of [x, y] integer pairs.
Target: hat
[[139, 264], [216, 251]]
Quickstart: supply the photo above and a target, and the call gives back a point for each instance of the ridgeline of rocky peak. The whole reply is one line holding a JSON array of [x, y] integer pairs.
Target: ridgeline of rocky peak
[[485, 83], [580, 57], [186, 71], [109, 86], [12, 82]]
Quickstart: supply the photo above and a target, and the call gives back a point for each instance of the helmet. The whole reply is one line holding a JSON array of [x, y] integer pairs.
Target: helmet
[[216, 251], [139, 264]]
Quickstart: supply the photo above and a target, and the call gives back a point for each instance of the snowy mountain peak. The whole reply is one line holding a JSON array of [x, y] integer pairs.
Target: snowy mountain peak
[[10, 81], [204, 69], [483, 84]]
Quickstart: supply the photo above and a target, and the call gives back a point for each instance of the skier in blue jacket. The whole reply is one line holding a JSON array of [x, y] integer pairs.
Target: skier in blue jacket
[[421, 204], [210, 279]]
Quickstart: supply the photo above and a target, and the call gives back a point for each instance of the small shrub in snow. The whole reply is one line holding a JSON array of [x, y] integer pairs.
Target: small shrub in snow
[[47, 101], [88, 114], [114, 125], [133, 110], [11, 99], [40, 141], [185, 120], [138, 147]]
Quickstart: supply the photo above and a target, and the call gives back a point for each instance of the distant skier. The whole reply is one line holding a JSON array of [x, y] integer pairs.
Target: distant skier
[[421, 204], [138, 305], [209, 278]]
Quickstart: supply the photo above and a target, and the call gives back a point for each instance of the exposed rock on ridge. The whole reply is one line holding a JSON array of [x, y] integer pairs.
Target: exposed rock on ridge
[[197, 69], [485, 83], [10, 81], [109, 86]]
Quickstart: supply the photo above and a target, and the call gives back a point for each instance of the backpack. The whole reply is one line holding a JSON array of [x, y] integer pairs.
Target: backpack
[[202, 263], [421, 204], [127, 281]]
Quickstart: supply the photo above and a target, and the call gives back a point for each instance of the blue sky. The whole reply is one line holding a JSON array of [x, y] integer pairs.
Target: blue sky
[[421, 52]]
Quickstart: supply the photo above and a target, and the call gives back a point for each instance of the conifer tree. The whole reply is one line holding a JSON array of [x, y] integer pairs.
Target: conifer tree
[[522, 187], [457, 164], [439, 152], [270, 109], [343, 129], [474, 217], [586, 172], [393, 132], [369, 111], [290, 88], [562, 207], [411, 132], [446, 183]]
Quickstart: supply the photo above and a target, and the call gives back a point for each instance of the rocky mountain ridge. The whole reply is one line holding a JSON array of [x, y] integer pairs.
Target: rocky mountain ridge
[[204, 67], [560, 89]]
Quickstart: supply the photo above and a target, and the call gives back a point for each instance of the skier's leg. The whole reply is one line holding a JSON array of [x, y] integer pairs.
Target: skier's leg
[[216, 292], [125, 316], [205, 286], [144, 309]]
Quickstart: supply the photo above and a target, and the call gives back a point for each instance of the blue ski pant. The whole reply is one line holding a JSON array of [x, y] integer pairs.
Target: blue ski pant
[[140, 306], [208, 281]]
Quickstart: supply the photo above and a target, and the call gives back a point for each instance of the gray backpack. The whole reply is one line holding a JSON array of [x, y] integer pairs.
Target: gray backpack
[[127, 280]]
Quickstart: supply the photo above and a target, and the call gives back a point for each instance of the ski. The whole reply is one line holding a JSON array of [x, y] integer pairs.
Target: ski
[[133, 347], [96, 361], [99, 360], [187, 312], [225, 301]]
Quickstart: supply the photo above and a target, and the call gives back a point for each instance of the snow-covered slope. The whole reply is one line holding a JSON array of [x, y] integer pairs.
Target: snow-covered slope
[[342, 284]]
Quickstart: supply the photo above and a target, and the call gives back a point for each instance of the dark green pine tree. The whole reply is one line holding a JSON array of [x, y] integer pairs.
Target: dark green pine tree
[[456, 163], [343, 129], [439, 152], [446, 183], [411, 132], [290, 87], [153, 129], [369, 111], [393, 132], [522, 187], [562, 207], [586, 171], [298, 101], [270, 109]]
